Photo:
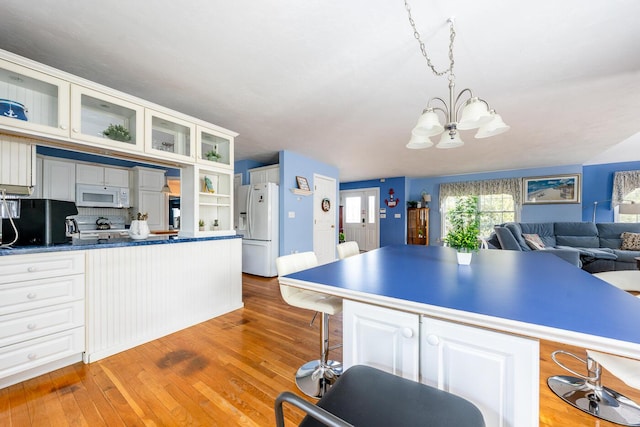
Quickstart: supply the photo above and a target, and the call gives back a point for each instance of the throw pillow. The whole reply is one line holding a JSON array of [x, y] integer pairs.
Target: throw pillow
[[534, 241], [630, 241]]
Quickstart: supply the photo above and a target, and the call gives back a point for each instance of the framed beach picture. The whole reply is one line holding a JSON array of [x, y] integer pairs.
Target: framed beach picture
[[552, 189]]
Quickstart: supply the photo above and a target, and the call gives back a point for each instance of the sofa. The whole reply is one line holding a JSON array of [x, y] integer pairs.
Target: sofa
[[593, 247]]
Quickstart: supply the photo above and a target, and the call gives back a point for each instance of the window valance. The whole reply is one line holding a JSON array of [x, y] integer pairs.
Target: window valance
[[624, 182], [511, 186]]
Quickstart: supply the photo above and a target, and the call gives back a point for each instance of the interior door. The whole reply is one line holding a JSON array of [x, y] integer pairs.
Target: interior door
[[360, 220], [324, 218]]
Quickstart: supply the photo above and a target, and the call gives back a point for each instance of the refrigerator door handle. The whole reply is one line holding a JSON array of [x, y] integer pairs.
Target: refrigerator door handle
[[249, 220]]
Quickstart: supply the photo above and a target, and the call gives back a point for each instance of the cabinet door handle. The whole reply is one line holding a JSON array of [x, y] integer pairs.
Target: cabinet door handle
[[32, 356], [433, 339], [32, 295], [75, 130], [407, 332], [32, 269], [63, 127], [31, 326]]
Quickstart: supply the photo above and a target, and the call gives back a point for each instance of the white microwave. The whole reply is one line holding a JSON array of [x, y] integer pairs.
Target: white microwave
[[99, 196]]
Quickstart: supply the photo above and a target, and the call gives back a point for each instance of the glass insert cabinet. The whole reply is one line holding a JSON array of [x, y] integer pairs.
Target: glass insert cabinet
[[32, 100], [418, 226], [169, 136]]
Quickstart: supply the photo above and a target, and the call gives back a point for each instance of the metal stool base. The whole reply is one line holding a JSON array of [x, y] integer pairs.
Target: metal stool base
[[314, 379], [607, 404]]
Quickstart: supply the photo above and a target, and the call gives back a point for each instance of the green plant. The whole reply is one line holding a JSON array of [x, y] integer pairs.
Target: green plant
[[465, 225], [341, 237], [201, 223], [412, 204], [212, 155], [117, 133]]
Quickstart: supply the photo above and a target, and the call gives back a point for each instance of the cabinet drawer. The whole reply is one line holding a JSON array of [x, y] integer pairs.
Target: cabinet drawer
[[17, 268], [40, 351], [33, 294], [31, 324]]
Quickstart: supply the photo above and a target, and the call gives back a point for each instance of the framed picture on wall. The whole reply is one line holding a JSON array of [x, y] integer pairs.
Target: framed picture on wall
[[552, 189], [303, 184]]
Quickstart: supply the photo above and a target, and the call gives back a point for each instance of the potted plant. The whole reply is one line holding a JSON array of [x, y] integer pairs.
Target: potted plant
[[341, 237], [212, 155], [117, 133], [201, 225], [215, 225], [465, 228]]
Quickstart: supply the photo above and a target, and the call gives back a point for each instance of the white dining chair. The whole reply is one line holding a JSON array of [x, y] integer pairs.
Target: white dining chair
[[313, 378], [348, 249]]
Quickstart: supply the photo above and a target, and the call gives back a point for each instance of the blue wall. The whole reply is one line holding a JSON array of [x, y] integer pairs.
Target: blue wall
[[392, 230], [296, 234], [243, 166], [598, 179]]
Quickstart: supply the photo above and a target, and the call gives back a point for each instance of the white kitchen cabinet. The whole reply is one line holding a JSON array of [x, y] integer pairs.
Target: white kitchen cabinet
[[45, 98], [101, 175], [265, 174], [214, 148], [380, 337], [206, 196], [497, 372], [103, 120], [42, 312], [58, 179], [17, 165], [169, 137], [147, 197]]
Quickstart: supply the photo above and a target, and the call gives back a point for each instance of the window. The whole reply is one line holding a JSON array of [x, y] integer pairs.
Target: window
[[352, 210], [626, 188], [494, 209], [499, 201], [633, 196]]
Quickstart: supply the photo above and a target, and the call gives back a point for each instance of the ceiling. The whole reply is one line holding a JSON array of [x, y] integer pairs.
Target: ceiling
[[344, 82]]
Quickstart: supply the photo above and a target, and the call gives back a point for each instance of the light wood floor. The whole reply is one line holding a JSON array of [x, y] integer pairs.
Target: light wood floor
[[224, 372]]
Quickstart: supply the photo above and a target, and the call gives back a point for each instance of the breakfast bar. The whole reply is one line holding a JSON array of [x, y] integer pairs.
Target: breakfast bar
[[473, 330]]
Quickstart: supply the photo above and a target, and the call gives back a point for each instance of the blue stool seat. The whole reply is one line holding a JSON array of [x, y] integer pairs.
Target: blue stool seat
[[366, 396]]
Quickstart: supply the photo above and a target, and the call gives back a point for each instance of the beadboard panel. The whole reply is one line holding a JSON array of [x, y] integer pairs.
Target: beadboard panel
[[140, 293]]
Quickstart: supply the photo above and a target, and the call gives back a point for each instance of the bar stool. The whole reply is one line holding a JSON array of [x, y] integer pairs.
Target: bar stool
[[587, 393], [315, 377], [366, 396], [348, 249]]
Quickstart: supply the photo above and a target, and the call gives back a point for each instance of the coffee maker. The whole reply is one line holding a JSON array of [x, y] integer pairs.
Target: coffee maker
[[40, 222]]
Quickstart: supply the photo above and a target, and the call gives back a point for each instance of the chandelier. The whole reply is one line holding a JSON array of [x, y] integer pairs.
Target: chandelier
[[463, 111]]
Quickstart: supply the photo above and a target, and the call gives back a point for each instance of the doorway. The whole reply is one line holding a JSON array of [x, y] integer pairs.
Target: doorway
[[360, 217], [325, 207]]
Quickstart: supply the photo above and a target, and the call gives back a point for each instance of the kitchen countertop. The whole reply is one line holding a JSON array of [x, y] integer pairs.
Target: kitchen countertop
[[111, 243]]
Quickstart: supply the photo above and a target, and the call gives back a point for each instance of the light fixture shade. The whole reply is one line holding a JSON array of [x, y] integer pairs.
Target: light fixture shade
[[474, 114], [419, 142], [629, 208], [428, 124], [495, 127], [450, 141]]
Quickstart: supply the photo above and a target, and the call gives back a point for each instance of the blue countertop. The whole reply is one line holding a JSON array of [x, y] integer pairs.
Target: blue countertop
[[111, 243], [533, 293]]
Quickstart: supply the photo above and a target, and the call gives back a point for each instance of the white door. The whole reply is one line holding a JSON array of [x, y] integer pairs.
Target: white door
[[360, 221], [498, 372], [383, 338], [325, 208]]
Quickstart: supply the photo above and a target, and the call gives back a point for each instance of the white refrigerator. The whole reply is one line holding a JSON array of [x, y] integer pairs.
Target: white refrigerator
[[257, 222]]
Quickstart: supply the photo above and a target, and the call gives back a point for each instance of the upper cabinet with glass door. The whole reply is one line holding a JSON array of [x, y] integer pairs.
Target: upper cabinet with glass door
[[106, 121], [214, 148], [168, 136], [33, 101]]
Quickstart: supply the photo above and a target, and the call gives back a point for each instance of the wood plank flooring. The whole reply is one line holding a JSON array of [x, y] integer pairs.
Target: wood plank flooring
[[223, 372]]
